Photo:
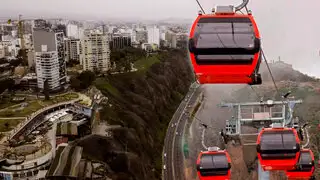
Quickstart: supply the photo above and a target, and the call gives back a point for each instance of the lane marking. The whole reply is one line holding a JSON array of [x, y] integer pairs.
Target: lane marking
[[174, 137]]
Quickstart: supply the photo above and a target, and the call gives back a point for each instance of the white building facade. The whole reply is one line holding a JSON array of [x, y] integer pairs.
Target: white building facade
[[73, 31], [153, 35], [49, 58], [47, 68]]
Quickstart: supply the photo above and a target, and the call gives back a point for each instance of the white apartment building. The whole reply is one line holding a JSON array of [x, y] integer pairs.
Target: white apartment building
[[95, 52], [153, 35], [47, 68], [14, 47], [2, 51], [163, 36], [72, 31], [49, 58], [28, 41]]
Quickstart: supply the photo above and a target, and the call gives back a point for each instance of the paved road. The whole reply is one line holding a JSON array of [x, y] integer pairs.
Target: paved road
[[173, 155]]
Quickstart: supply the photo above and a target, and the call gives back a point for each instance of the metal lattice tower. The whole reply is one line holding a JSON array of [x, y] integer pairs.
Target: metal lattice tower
[[259, 115]]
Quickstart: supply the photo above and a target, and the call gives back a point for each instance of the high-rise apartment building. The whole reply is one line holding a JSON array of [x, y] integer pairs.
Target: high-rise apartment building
[[59, 39], [120, 42], [153, 35], [72, 49], [49, 58], [47, 68], [171, 39], [72, 31], [2, 51], [95, 52]]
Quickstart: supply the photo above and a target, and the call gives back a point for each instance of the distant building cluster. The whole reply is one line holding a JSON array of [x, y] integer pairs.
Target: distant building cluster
[[52, 44]]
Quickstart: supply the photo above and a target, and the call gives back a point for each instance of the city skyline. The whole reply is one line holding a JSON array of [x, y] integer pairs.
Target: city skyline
[[286, 33]]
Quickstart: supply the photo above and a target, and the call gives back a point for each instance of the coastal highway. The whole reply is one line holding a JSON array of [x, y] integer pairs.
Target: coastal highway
[[173, 167]]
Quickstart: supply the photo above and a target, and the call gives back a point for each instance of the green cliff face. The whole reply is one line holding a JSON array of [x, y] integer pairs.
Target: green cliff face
[[142, 103]]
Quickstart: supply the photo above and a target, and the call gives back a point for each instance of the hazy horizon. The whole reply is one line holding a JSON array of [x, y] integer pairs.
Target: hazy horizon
[[292, 34]]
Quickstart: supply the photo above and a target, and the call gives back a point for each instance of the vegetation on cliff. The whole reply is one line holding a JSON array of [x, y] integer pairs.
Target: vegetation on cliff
[[142, 103]]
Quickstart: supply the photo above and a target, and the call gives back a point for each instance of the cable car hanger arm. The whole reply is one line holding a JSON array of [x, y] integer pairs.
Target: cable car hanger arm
[[242, 5]]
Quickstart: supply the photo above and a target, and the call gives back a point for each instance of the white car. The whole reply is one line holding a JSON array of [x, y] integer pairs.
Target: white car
[[177, 133], [164, 166], [165, 155]]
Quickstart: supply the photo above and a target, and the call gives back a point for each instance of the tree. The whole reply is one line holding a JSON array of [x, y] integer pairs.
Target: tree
[[61, 28], [124, 57], [37, 91], [127, 65], [72, 62], [83, 80], [75, 83], [46, 89], [3, 60], [22, 57], [86, 78], [16, 62], [6, 84], [6, 125]]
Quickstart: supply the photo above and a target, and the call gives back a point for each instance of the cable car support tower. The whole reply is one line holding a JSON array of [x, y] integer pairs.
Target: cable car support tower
[[259, 115]]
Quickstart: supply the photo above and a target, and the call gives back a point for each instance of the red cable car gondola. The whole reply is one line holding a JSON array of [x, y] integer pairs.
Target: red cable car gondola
[[225, 48], [278, 148], [214, 164], [305, 167]]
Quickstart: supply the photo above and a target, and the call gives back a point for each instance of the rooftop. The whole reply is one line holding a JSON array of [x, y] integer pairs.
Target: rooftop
[[66, 162]]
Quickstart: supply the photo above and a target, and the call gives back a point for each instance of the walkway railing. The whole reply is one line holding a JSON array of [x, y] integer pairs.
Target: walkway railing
[[35, 114]]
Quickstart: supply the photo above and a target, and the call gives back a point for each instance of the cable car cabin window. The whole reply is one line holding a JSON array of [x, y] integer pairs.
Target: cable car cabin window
[[213, 165], [305, 162], [225, 36], [305, 158], [275, 145], [224, 59]]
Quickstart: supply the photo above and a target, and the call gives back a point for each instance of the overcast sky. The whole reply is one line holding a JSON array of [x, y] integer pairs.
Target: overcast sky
[[289, 28]]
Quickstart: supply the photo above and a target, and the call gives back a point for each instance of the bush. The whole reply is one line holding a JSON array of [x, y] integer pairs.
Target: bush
[[83, 80]]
